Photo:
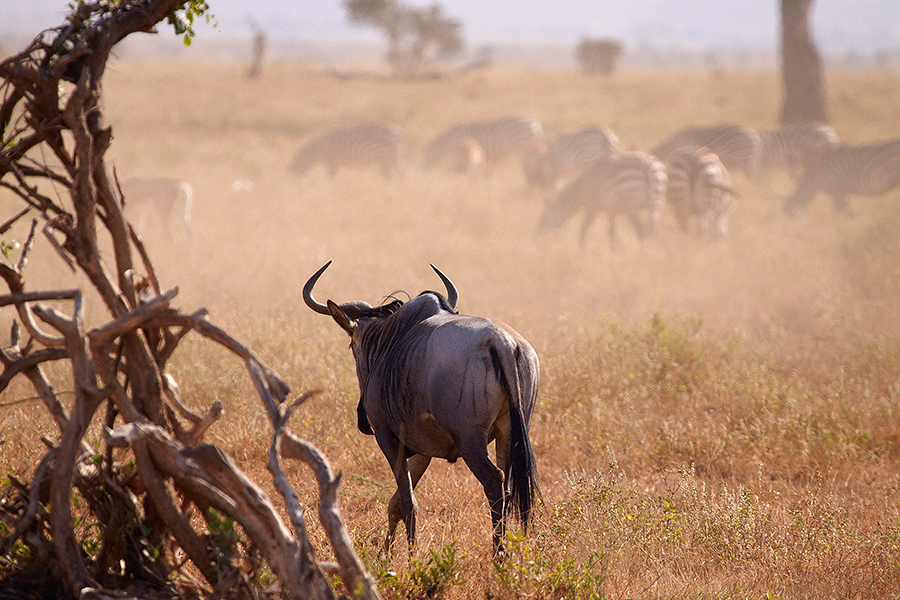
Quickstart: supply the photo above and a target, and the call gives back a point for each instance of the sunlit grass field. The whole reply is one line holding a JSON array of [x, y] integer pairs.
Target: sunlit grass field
[[715, 419]]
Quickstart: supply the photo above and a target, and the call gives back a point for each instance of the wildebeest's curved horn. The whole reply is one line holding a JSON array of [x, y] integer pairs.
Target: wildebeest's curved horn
[[452, 294], [307, 292]]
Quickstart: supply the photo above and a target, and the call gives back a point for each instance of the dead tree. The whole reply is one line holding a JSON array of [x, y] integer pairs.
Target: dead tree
[[598, 56], [163, 487], [412, 33], [801, 67], [259, 49]]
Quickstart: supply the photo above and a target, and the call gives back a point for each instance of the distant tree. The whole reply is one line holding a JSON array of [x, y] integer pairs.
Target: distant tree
[[801, 66], [413, 33], [259, 49], [598, 56]]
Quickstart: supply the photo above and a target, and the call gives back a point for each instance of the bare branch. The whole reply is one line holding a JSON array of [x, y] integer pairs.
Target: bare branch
[[353, 574], [12, 220], [131, 321], [24, 363]]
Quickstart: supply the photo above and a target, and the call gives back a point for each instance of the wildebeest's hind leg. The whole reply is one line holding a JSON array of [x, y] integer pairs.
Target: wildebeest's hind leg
[[417, 463], [474, 451]]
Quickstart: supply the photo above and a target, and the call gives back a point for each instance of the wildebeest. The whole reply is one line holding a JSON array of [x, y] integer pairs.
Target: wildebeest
[[437, 384]]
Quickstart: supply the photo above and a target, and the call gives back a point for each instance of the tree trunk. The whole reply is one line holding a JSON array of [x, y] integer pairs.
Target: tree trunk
[[801, 66]]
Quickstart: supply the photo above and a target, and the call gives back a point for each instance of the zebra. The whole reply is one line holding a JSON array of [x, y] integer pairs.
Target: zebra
[[630, 183], [790, 147], [847, 169], [699, 187], [466, 157], [737, 146], [355, 146], [496, 138], [566, 154], [161, 196]]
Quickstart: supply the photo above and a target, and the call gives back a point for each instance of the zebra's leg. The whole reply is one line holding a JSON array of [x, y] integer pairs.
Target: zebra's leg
[[589, 217], [638, 224], [387, 169], [840, 203], [612, 231]]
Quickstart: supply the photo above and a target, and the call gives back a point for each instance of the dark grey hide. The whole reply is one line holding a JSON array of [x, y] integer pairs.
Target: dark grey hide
[[436, 384]]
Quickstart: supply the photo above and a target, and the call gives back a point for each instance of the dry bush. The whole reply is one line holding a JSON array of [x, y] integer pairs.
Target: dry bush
[[125, 494], [714, 419]]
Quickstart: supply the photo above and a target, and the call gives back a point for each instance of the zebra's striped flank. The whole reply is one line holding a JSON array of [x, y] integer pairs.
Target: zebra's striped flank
[[699, 188], [354, 147], [631, 184], [737, 146], [497, 139], [846, 169], [566, 153], [791, 147]]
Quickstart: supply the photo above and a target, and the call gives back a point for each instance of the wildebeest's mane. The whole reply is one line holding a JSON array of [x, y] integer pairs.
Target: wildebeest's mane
[[383, 310], [445, 304], [397, 343]]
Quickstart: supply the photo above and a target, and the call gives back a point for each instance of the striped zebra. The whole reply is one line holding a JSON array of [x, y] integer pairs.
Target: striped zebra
[[466, 157], [737, 146], [497, 139], [844, 170], [566, 153], [630, 183], [699, 187], [790, 147], [354, 147]]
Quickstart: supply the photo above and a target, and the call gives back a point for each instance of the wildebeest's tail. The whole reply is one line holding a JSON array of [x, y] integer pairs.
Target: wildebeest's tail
[[522, 475]]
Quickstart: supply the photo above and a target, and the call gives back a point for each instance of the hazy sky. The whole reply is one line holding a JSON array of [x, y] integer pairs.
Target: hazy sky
[[838, 24]]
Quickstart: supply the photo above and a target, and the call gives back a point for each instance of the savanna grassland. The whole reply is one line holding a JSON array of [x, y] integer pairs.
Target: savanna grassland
[[715, 419]]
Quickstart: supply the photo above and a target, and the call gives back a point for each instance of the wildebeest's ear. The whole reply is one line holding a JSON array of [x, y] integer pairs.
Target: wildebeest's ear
[[341, 317]]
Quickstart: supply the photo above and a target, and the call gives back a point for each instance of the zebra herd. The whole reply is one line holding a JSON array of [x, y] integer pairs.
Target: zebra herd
[[585, 170]]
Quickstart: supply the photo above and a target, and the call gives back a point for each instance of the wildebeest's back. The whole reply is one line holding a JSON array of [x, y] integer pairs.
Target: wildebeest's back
[[432, 362]]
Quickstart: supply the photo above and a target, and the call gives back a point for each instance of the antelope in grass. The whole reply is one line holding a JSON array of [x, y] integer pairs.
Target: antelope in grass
[[160, 198]]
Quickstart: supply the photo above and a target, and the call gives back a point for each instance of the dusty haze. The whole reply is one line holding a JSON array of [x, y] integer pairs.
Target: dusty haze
[[260, 231], [806, 419]]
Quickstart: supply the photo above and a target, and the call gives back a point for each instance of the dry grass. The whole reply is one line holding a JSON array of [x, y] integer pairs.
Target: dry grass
[[714, 420]]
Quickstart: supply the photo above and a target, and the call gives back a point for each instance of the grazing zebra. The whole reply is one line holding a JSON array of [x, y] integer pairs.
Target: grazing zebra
[[737, 146], [163, 197], [630, 183], [791, 146], [353, 147], [466, 157], [497, 139], [844, 170], [699, 187], [566, 154]]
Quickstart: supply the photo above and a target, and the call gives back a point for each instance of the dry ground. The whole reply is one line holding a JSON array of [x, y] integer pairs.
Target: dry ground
[[715, 419]]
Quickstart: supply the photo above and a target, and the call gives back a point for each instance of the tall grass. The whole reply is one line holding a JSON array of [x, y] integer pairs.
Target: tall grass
[[714, 420]]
